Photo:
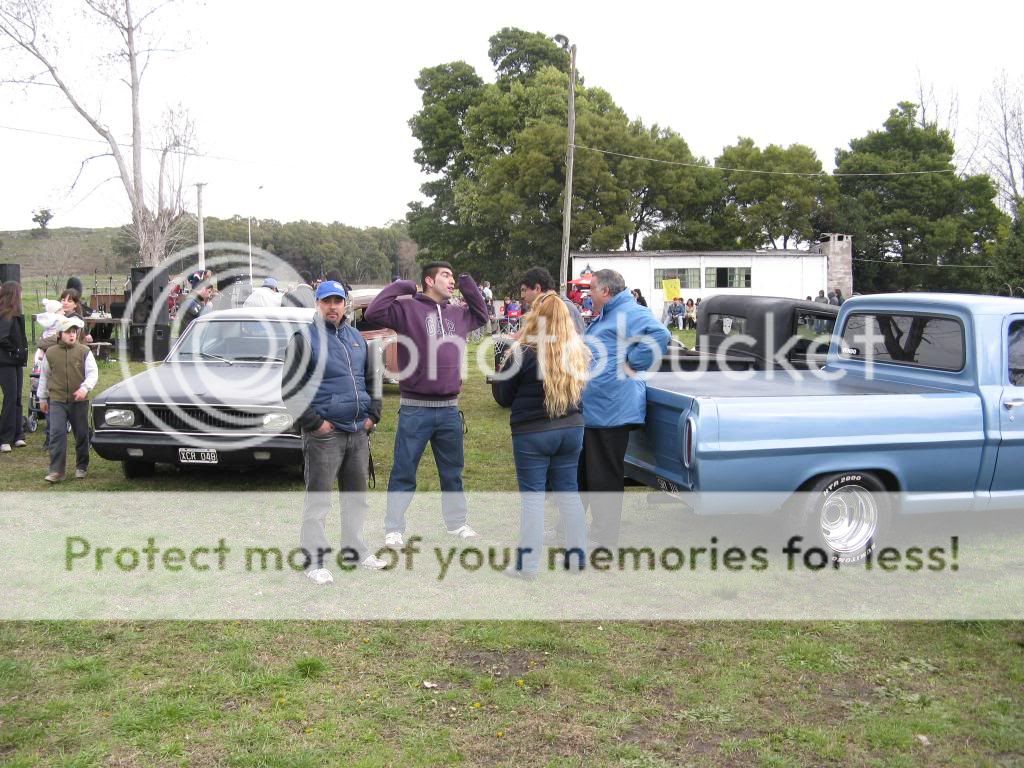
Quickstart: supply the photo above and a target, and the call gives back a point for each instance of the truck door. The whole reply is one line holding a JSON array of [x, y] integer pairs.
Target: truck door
[[1008, 482]]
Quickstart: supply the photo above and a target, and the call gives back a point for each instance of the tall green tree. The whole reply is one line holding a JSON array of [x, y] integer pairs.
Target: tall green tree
[[497, 162], [916, 224], [775, 194]]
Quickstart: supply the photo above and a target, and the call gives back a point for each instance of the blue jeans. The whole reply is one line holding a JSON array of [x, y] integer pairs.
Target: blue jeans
[[549, 459], [442, 428]]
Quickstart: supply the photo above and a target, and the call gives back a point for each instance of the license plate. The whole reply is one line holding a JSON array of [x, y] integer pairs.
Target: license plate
[[197, 456]]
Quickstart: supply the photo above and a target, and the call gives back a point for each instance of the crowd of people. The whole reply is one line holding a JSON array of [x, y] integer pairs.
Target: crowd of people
[[573, 395]]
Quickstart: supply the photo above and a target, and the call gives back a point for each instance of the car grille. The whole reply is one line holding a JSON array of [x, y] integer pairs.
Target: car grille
[[195, 419]]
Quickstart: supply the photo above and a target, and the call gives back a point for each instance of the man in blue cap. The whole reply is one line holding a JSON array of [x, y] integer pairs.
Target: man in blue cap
[[325, 387]]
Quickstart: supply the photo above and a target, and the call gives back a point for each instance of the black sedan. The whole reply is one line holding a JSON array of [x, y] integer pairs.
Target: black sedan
[[214, 401]]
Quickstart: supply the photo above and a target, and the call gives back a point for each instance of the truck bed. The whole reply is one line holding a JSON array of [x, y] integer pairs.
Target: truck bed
[[774, 384]]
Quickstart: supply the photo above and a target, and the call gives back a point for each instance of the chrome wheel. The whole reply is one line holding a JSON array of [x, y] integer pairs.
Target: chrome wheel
[[849, 519]]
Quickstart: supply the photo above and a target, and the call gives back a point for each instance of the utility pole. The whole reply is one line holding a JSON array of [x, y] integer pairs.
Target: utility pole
[[199, 215], [563, 272]]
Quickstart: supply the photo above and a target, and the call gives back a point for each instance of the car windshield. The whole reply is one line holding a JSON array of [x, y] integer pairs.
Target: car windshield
[[235, 341]]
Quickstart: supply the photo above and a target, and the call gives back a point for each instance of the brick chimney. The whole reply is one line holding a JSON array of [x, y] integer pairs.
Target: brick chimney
[[839, 252]]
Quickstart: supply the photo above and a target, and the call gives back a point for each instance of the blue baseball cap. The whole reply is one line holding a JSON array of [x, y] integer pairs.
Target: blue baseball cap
[[270, 282], [330, 288]]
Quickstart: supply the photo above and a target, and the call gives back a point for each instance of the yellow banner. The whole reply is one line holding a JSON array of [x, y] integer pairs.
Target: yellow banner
[[671, 288]]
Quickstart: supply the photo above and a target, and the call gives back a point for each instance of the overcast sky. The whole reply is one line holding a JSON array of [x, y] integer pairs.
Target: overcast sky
[[313, 106]]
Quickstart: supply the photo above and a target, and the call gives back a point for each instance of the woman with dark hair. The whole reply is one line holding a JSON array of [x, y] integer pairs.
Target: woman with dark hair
[[639, 297], [13, 356]]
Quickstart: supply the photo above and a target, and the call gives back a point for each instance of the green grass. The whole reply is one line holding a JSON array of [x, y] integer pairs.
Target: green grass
[[272, 693]]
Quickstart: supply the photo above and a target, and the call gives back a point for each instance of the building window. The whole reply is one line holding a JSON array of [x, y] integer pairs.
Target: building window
[[727, 277], [688, 277]]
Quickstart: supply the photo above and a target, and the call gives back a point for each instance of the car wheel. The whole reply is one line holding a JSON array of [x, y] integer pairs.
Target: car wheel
[[134, 469], [846, 513]]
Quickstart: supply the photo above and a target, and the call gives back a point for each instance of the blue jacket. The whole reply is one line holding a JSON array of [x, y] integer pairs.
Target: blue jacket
[[339, 394], [623, 334]]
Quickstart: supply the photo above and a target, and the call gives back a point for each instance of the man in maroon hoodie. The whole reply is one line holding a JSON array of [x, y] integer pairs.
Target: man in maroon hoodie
[[432, 338]]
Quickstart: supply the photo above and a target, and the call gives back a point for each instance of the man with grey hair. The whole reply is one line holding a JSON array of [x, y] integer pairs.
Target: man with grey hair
[[625, 339]]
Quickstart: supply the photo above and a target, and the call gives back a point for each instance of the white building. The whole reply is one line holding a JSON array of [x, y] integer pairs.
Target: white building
[[796, 274]]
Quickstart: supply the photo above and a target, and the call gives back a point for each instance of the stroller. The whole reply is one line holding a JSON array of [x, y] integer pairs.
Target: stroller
[[35, 415]]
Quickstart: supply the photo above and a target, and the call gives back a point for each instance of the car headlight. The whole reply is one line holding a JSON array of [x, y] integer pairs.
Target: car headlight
[[119, 417], [277, 422]]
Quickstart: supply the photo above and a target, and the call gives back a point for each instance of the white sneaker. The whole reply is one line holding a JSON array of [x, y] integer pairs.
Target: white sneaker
[[5, 448], [464, 532], [373, 563], [81, 474], [320, 576], [20, 443], [394, 540]]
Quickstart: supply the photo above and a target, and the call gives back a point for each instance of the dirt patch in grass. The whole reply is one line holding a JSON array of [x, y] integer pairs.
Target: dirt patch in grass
[[504, 664]]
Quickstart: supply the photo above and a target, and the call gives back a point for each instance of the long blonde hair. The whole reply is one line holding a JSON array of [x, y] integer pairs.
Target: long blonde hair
[[562, 357]]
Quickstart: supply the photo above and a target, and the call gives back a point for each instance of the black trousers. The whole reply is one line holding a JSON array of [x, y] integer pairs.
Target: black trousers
[[12, 423], [601, 476]]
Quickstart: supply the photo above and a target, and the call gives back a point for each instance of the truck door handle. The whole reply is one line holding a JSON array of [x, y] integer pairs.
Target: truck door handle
[[1017, 402]]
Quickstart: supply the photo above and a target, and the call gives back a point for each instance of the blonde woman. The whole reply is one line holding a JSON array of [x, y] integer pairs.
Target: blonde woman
[[542, 378]]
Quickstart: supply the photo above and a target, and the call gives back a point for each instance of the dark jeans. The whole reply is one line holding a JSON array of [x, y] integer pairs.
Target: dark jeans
[[12, 422], [549, 460], [340, 456], [442, 428], [57, 419], [602, 471]]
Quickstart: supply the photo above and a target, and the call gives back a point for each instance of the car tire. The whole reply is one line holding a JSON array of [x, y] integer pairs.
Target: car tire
[[845, 513], [136, 469]]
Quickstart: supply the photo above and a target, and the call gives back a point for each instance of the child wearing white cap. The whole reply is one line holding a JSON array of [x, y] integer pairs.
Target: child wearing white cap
[[66, 375]]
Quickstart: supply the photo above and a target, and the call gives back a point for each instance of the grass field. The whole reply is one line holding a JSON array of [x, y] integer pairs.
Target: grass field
[[501, 693]]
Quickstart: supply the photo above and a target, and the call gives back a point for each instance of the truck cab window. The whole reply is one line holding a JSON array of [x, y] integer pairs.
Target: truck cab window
[[925, 341], [1015, 347]]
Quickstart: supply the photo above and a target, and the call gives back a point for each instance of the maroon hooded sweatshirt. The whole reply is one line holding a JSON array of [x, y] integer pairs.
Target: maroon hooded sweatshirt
[[437, 333]]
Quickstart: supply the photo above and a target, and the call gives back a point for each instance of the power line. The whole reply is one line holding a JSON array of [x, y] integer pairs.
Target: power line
[[763, 173], [918, 264], [187, 152]]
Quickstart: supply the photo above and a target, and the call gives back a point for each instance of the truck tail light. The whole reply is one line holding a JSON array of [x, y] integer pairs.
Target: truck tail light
[[689, 440]]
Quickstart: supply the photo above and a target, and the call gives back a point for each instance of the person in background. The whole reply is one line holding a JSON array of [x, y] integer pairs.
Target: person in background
[[639, 297], [13, 358], [325, 386], [615, 399], [84, 310], [302, 294], [267, 295], [676, 313], [690, 315], [195, 305], [70, 306], [542, 378], [587, 303], [839, 297], [537, 281], [66, 376], [435, 333], [833, 299]]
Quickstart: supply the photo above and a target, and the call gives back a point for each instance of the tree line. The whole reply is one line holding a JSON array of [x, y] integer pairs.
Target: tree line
[[373, 255], [495, 153]]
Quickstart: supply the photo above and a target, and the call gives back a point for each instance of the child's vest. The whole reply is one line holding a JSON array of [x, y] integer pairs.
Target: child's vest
[[67, 371]]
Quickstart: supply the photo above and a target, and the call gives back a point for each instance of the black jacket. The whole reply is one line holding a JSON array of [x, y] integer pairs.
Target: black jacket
[[13, 344], [524, 392]]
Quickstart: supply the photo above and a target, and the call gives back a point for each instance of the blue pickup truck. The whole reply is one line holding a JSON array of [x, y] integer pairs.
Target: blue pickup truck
[[921, 399]]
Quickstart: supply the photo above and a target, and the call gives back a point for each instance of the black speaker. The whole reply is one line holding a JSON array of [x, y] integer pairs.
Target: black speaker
[[10, 272], [117, 310], [145, 301], [161, 341]]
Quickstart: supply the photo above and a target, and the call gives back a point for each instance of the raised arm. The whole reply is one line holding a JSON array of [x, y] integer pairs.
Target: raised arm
[[384, 310], [476, 305]]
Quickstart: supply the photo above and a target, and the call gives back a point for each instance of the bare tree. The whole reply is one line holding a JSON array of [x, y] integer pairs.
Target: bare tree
[[157, 207], [1003, 129]]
